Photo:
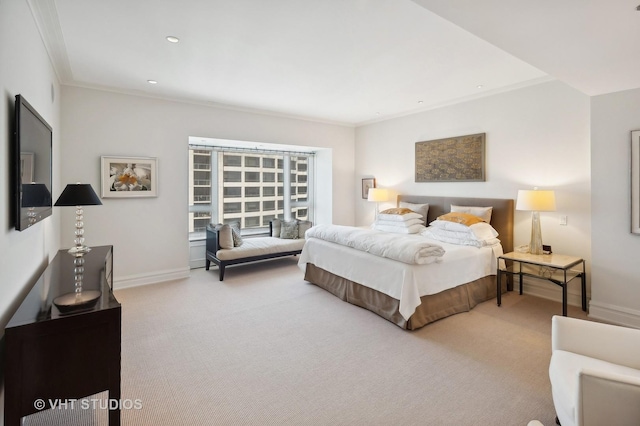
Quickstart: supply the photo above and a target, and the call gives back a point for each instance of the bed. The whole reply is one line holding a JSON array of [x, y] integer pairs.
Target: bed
[[376, 283]]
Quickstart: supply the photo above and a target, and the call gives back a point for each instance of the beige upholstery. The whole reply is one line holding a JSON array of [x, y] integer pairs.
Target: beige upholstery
[[260, 246], [595, 373]]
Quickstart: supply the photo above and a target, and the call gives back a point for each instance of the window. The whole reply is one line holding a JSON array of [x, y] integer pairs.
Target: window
[[268, 205], [233, 160], [269, 191], [252, 161], [268, 177], [232, 176], [232, 192], [253, 206], [268, 163], [252, 191], [251, 177], [252, 188]]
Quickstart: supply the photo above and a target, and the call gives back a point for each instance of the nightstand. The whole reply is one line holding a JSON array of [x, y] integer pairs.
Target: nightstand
[[556, 268]]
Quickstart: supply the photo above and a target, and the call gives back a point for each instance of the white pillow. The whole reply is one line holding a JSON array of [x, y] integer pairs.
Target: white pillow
[[445, 224], [483, 213], [458, 237], [400, 217], [480, 230], [404, 224], [423, 209], [483, 231]]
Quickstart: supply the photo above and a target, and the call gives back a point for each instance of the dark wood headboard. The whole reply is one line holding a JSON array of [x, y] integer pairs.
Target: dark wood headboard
[[501, 217]]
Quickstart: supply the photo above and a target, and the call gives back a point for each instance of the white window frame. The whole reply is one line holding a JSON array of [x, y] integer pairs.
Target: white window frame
[[217, 196]]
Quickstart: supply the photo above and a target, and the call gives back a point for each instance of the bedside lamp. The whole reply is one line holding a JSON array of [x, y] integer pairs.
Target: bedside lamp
[[78, 195], [377, 195], [536, 201]]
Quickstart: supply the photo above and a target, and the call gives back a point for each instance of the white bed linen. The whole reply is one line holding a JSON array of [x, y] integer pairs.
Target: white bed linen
[[401, 281]]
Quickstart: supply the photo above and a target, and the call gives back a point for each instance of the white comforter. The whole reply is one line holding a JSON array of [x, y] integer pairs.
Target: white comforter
[[412, 249]]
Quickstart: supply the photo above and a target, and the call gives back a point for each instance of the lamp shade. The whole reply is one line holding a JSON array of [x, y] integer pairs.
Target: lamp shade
[[536, 201], [78, 194], [35, 195], [377, 194]]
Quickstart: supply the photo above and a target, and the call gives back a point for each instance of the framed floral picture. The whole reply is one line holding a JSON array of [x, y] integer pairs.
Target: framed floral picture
[[129, 177]]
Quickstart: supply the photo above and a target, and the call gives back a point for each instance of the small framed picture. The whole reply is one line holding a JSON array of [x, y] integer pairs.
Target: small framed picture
[[129, 177], [366, 184]]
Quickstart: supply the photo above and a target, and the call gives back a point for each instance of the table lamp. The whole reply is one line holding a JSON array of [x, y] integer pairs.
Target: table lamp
[[536, 201], [378, 195], [78, 195]]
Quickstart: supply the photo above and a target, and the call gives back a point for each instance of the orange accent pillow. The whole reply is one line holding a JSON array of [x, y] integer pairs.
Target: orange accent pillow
[[463, 218], [397, 210]]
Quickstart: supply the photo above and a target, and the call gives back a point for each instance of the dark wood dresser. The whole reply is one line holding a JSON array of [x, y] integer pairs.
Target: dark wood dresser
[[57, 354]]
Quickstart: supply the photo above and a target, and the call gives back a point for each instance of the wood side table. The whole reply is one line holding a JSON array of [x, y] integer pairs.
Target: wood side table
[[556, 268], [52, 355]]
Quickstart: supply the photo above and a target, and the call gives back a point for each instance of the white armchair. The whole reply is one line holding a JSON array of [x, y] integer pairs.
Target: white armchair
[[595, 373]]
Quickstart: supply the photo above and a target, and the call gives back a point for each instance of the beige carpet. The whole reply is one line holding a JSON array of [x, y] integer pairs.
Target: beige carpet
[[264, 347]]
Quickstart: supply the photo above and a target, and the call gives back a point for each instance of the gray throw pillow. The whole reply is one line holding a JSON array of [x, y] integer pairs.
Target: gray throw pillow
[[275, 228], [235, 234], [303, 226], [225, 239], [289, 230]]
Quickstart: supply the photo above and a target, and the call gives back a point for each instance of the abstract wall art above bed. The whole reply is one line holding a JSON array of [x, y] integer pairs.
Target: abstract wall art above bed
[[456, 159]]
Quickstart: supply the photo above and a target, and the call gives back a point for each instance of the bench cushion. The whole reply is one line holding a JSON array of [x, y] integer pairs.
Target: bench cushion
[[260, 246]]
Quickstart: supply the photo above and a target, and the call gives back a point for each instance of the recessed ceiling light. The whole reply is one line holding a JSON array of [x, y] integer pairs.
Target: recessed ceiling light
[[479, 86], [152, 82], [173, 39], [420, 102]]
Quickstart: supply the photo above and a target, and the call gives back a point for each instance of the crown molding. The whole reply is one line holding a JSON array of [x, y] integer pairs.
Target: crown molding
[[46, 18]]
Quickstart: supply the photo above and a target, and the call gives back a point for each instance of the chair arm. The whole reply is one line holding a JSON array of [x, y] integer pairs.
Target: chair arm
[[606, 398], [612, 343]]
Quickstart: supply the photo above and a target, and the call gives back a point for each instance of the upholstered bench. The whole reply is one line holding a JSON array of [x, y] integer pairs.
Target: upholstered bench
[[251, 249]]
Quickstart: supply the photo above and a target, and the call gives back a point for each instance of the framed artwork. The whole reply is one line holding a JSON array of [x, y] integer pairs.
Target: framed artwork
[[366, 184], [635, 182], [26, 167], [129, 177], [457, 159]]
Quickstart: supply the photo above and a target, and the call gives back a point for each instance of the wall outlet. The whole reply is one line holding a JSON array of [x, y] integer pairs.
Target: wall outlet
[[563, 220]]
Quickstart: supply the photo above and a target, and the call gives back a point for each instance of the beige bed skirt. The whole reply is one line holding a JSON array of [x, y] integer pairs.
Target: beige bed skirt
[[462, 298]]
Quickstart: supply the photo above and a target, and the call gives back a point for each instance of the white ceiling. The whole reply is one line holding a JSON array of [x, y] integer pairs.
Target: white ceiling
[[344, 61]]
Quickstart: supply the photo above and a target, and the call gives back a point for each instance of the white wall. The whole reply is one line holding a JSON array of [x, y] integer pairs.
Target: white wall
[[616, 266], [535, 136], [24, 69], [150, 235]]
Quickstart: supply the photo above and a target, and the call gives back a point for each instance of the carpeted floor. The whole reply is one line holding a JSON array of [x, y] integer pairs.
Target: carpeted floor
[[264, 347]]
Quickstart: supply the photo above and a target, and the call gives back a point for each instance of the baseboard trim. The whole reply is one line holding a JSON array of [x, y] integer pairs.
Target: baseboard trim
[[120, 283], [614, 314]]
